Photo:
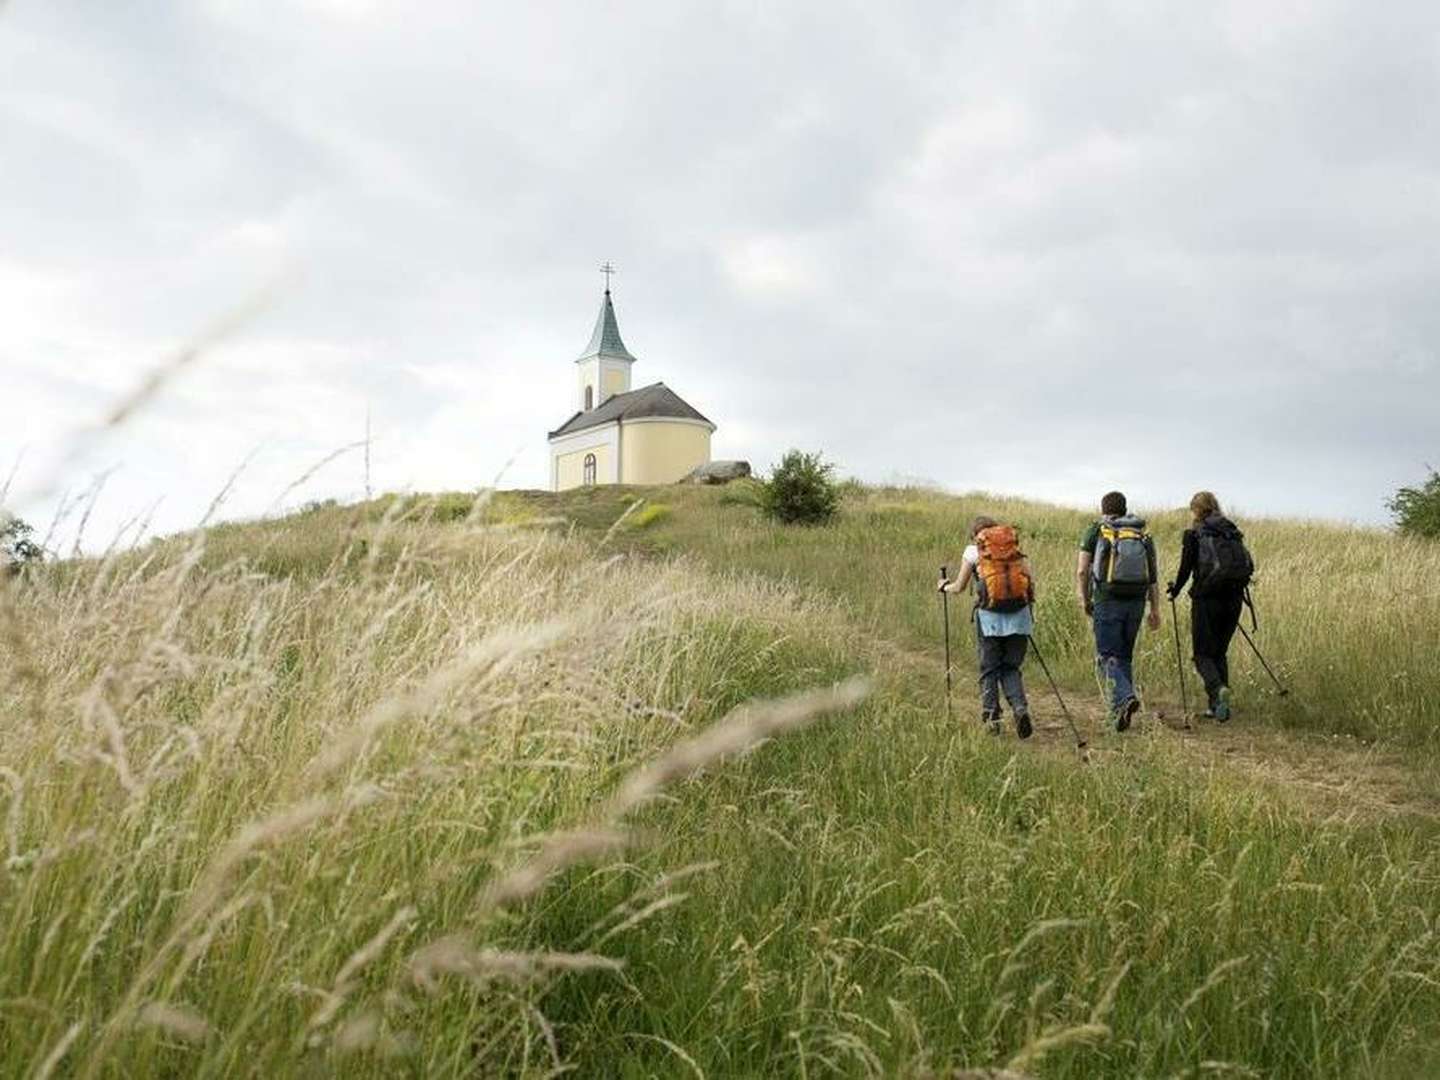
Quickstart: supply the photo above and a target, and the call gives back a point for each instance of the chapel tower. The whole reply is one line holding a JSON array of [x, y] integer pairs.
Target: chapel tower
[[605, 364]]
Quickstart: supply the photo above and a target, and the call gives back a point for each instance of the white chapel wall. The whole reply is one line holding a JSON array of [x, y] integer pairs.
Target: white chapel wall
[[567, 457]]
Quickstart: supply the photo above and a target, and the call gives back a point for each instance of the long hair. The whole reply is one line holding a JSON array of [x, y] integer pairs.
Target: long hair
[[980, 523], [1203, 504]]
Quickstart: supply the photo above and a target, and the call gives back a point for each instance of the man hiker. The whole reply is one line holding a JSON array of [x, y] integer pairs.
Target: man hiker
[[1005, 590], [1214, 550], [1115, 576]]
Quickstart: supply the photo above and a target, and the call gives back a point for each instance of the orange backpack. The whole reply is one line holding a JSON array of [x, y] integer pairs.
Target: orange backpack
[[1003, 584]]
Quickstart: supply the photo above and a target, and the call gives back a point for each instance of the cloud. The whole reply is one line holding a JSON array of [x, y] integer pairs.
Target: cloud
[[970, 242]]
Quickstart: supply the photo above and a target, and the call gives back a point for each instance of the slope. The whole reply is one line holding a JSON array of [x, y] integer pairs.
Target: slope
[[366, 791]]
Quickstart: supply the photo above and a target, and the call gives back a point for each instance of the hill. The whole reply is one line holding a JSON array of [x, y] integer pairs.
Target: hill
[[447, 786]]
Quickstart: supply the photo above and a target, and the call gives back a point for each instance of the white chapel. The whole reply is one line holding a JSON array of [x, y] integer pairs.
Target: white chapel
[[619, 435]]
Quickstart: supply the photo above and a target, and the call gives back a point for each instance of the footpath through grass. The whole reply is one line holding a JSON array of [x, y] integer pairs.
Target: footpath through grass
[[1350, 617], [338, 796]]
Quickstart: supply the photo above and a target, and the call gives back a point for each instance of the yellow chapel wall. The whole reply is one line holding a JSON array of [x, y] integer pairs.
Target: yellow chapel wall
[[660, 452], [570, 468], [614, 384]]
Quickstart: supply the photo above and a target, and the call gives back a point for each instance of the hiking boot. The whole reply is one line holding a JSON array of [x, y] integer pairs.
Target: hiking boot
[[1222, 704], [1023, 727], [1126, 713]]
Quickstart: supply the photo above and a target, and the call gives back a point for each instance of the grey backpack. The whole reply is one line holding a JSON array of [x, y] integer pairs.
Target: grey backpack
[[1124, 555]]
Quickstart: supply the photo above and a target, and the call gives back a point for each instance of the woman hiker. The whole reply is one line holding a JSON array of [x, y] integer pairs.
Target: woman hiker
[[1003, 617], [1213, 550]]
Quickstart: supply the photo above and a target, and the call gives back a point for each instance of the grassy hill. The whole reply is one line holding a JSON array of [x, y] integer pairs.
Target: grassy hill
[[446, 787]]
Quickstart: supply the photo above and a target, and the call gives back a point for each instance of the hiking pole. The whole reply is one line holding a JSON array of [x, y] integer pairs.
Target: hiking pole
[[1259, 656], [945, 608], [1080, 743], [1179, 663]]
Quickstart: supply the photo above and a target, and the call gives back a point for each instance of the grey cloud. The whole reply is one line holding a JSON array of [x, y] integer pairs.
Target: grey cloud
[[864, 228]]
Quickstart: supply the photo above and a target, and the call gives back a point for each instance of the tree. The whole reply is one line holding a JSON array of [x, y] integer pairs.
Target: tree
[[1417, 510], [800, 490], [16, 547]]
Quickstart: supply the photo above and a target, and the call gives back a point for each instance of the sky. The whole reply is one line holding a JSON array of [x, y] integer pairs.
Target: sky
[[1040, 248]]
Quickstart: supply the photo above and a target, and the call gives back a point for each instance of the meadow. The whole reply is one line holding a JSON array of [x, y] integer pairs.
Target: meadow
[[632, 783]]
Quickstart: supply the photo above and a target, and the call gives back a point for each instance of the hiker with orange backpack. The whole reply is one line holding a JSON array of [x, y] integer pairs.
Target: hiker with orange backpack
[[1214, 550], [1005, 590], [1116, 575]]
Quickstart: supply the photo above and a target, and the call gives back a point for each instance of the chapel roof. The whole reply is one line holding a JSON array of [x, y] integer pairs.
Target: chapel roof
[[605, 341], [656, 400]]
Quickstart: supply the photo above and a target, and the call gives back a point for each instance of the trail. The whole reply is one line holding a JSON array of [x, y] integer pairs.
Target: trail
[[1334, 776]]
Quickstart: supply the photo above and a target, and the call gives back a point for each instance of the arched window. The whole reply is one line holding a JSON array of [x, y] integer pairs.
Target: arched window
[[589, 398], [589, 466]]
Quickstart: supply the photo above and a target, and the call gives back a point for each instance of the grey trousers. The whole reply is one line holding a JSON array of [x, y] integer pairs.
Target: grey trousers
[[1000, 660]]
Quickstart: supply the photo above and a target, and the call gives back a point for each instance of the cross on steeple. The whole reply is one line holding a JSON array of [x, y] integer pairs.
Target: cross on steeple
[[607, 270]]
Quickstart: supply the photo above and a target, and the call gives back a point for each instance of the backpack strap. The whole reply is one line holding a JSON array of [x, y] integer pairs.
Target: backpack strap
[[1249, 603]]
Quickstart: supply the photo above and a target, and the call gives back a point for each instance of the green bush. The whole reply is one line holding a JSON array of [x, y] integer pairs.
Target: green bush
[[16, 547], [1417, 510], [800, 490]]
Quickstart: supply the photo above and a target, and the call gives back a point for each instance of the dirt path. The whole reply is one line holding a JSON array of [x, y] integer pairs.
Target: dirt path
[[1335, 775]]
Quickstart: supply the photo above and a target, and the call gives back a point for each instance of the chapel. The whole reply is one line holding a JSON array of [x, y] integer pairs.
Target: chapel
[[619, 435]]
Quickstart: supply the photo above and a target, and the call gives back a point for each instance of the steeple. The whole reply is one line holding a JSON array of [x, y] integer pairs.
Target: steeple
[[605, 341], [605, 364]]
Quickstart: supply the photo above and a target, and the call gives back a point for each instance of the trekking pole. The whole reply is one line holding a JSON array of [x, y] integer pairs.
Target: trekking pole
[[945, 608], [1080, 743], [1259, 656], [1179, 663]]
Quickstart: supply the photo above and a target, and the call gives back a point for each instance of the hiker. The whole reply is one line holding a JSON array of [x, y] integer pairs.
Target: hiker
[[1116, 575], [1213, 549], [1004, 592]]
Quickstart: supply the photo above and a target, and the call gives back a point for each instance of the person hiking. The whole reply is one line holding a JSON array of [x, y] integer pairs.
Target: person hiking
[[1213, 549], [1116, 575], [1005, 590]]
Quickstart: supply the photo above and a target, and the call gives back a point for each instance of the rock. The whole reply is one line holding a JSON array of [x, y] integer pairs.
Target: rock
[[718, 472]]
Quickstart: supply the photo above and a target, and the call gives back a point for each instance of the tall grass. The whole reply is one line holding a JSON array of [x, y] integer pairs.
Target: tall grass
[[263, 787], [436, 789], [1349, 617]]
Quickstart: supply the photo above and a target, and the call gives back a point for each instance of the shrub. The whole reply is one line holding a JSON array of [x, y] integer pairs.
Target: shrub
[[16, 547], [800, 490], [1417, 510]]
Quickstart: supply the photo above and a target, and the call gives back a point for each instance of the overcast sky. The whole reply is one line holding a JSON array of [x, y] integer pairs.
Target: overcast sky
[[1043, 248]]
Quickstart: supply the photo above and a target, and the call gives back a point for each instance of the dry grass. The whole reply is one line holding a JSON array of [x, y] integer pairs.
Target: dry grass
[[438, 788], [218, 776]]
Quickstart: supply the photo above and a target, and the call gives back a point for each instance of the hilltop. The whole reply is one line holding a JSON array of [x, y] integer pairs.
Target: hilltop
[[374, 788]]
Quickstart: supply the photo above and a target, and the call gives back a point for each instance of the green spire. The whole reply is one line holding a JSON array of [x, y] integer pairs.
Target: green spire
[[605, 341]]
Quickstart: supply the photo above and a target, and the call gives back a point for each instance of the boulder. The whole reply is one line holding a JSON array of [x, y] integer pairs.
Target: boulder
[[718, 472]]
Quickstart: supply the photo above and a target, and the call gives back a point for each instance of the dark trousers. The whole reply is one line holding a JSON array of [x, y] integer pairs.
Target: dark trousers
[[1117, 625], [1000, 660], [1213, 618]]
